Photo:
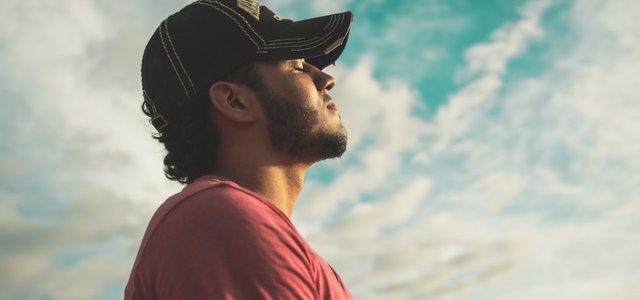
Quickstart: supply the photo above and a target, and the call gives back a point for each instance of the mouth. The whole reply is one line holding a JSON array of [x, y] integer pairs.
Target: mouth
[[332, 106]]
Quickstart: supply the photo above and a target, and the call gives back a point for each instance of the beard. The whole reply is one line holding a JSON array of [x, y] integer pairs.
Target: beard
[[296, 129]]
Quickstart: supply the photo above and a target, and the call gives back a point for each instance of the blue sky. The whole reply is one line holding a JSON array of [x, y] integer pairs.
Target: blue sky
[[493, 149]]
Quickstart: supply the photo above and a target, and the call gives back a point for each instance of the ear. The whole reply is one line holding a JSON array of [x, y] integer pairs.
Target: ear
[[234, 102]]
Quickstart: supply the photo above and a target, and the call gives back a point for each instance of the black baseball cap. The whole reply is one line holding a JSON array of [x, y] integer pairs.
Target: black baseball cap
[[208, 39]]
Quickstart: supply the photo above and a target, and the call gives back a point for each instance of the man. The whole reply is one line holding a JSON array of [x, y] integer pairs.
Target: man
[[241, 104]]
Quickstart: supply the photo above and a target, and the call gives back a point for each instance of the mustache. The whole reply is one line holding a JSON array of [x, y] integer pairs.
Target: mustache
[[326, 98]]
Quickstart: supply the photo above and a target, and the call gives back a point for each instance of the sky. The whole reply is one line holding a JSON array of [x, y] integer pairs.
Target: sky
[[494, 149]]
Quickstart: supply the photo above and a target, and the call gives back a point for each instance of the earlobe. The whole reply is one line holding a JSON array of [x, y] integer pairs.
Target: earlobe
[[228, 100]]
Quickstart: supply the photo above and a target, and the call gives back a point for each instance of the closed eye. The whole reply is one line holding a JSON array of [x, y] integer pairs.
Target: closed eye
[[299, 65]]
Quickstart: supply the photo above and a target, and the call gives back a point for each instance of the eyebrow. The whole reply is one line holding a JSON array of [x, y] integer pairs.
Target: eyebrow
[[294, 61]]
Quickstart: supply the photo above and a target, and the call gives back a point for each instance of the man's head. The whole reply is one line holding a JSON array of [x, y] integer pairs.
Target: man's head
[[301, 118], [215, 57]]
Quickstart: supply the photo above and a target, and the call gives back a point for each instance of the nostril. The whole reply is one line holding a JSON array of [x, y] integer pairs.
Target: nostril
[[325, 81], [329, 87], [330, 83]]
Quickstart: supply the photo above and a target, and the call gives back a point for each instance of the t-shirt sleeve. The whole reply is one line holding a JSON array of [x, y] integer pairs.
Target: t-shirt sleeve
[[224, 243]]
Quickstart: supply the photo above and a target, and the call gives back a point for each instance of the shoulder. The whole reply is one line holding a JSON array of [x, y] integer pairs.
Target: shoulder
[[221, 212], [218, 239], [224, 201]]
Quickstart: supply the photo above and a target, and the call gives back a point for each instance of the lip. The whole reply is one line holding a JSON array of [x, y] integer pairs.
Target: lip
[[332, 106]]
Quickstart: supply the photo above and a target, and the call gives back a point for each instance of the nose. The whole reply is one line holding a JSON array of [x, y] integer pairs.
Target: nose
[[324, 81]]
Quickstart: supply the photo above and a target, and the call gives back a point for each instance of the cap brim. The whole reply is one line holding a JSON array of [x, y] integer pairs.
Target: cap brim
[[319, 40]]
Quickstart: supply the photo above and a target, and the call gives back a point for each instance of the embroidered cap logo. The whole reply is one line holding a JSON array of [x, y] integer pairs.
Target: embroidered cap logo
[[250, 6]]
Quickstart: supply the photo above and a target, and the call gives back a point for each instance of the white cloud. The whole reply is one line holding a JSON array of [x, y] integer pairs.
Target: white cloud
[[323, 7], [80, 171], [33, 249], [434, 53], [531, 183], [495, 189], [486, 65], [380, 128], [99, 124]]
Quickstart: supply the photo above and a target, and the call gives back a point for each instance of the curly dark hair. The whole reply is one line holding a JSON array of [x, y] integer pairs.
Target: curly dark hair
[[190, 138]]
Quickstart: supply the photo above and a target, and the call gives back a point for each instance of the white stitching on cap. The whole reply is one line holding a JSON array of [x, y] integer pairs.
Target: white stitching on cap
[[166, 28], [164, 122], [266, 45], [329, 23], [333, 46], [313, 41], [239, 15], [218, 9], [270, 45], [289, 44], [171, 60], [299, 41], [154, 111], [290, 39], [304, 41], [148, 100], [250, 6], [323, 38]]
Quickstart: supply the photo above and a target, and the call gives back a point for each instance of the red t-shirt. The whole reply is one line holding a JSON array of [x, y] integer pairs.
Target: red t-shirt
[[217, 240]]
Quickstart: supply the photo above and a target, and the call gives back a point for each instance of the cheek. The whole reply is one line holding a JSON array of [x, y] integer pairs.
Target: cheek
[[297, 88], [305, 92]]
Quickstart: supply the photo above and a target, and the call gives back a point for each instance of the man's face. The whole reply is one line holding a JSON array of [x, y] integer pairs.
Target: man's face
[[303, 120]]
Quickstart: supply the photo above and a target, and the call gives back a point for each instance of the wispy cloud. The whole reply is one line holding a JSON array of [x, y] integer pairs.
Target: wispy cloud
[[71, 257], [486, 66], [528, 183], [80, 174]]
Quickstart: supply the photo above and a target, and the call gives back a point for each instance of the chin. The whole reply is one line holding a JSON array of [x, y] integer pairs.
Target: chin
[[323, 145], [334, 144]]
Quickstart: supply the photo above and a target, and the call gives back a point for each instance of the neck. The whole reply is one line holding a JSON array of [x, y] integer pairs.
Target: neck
[[278, 181]]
